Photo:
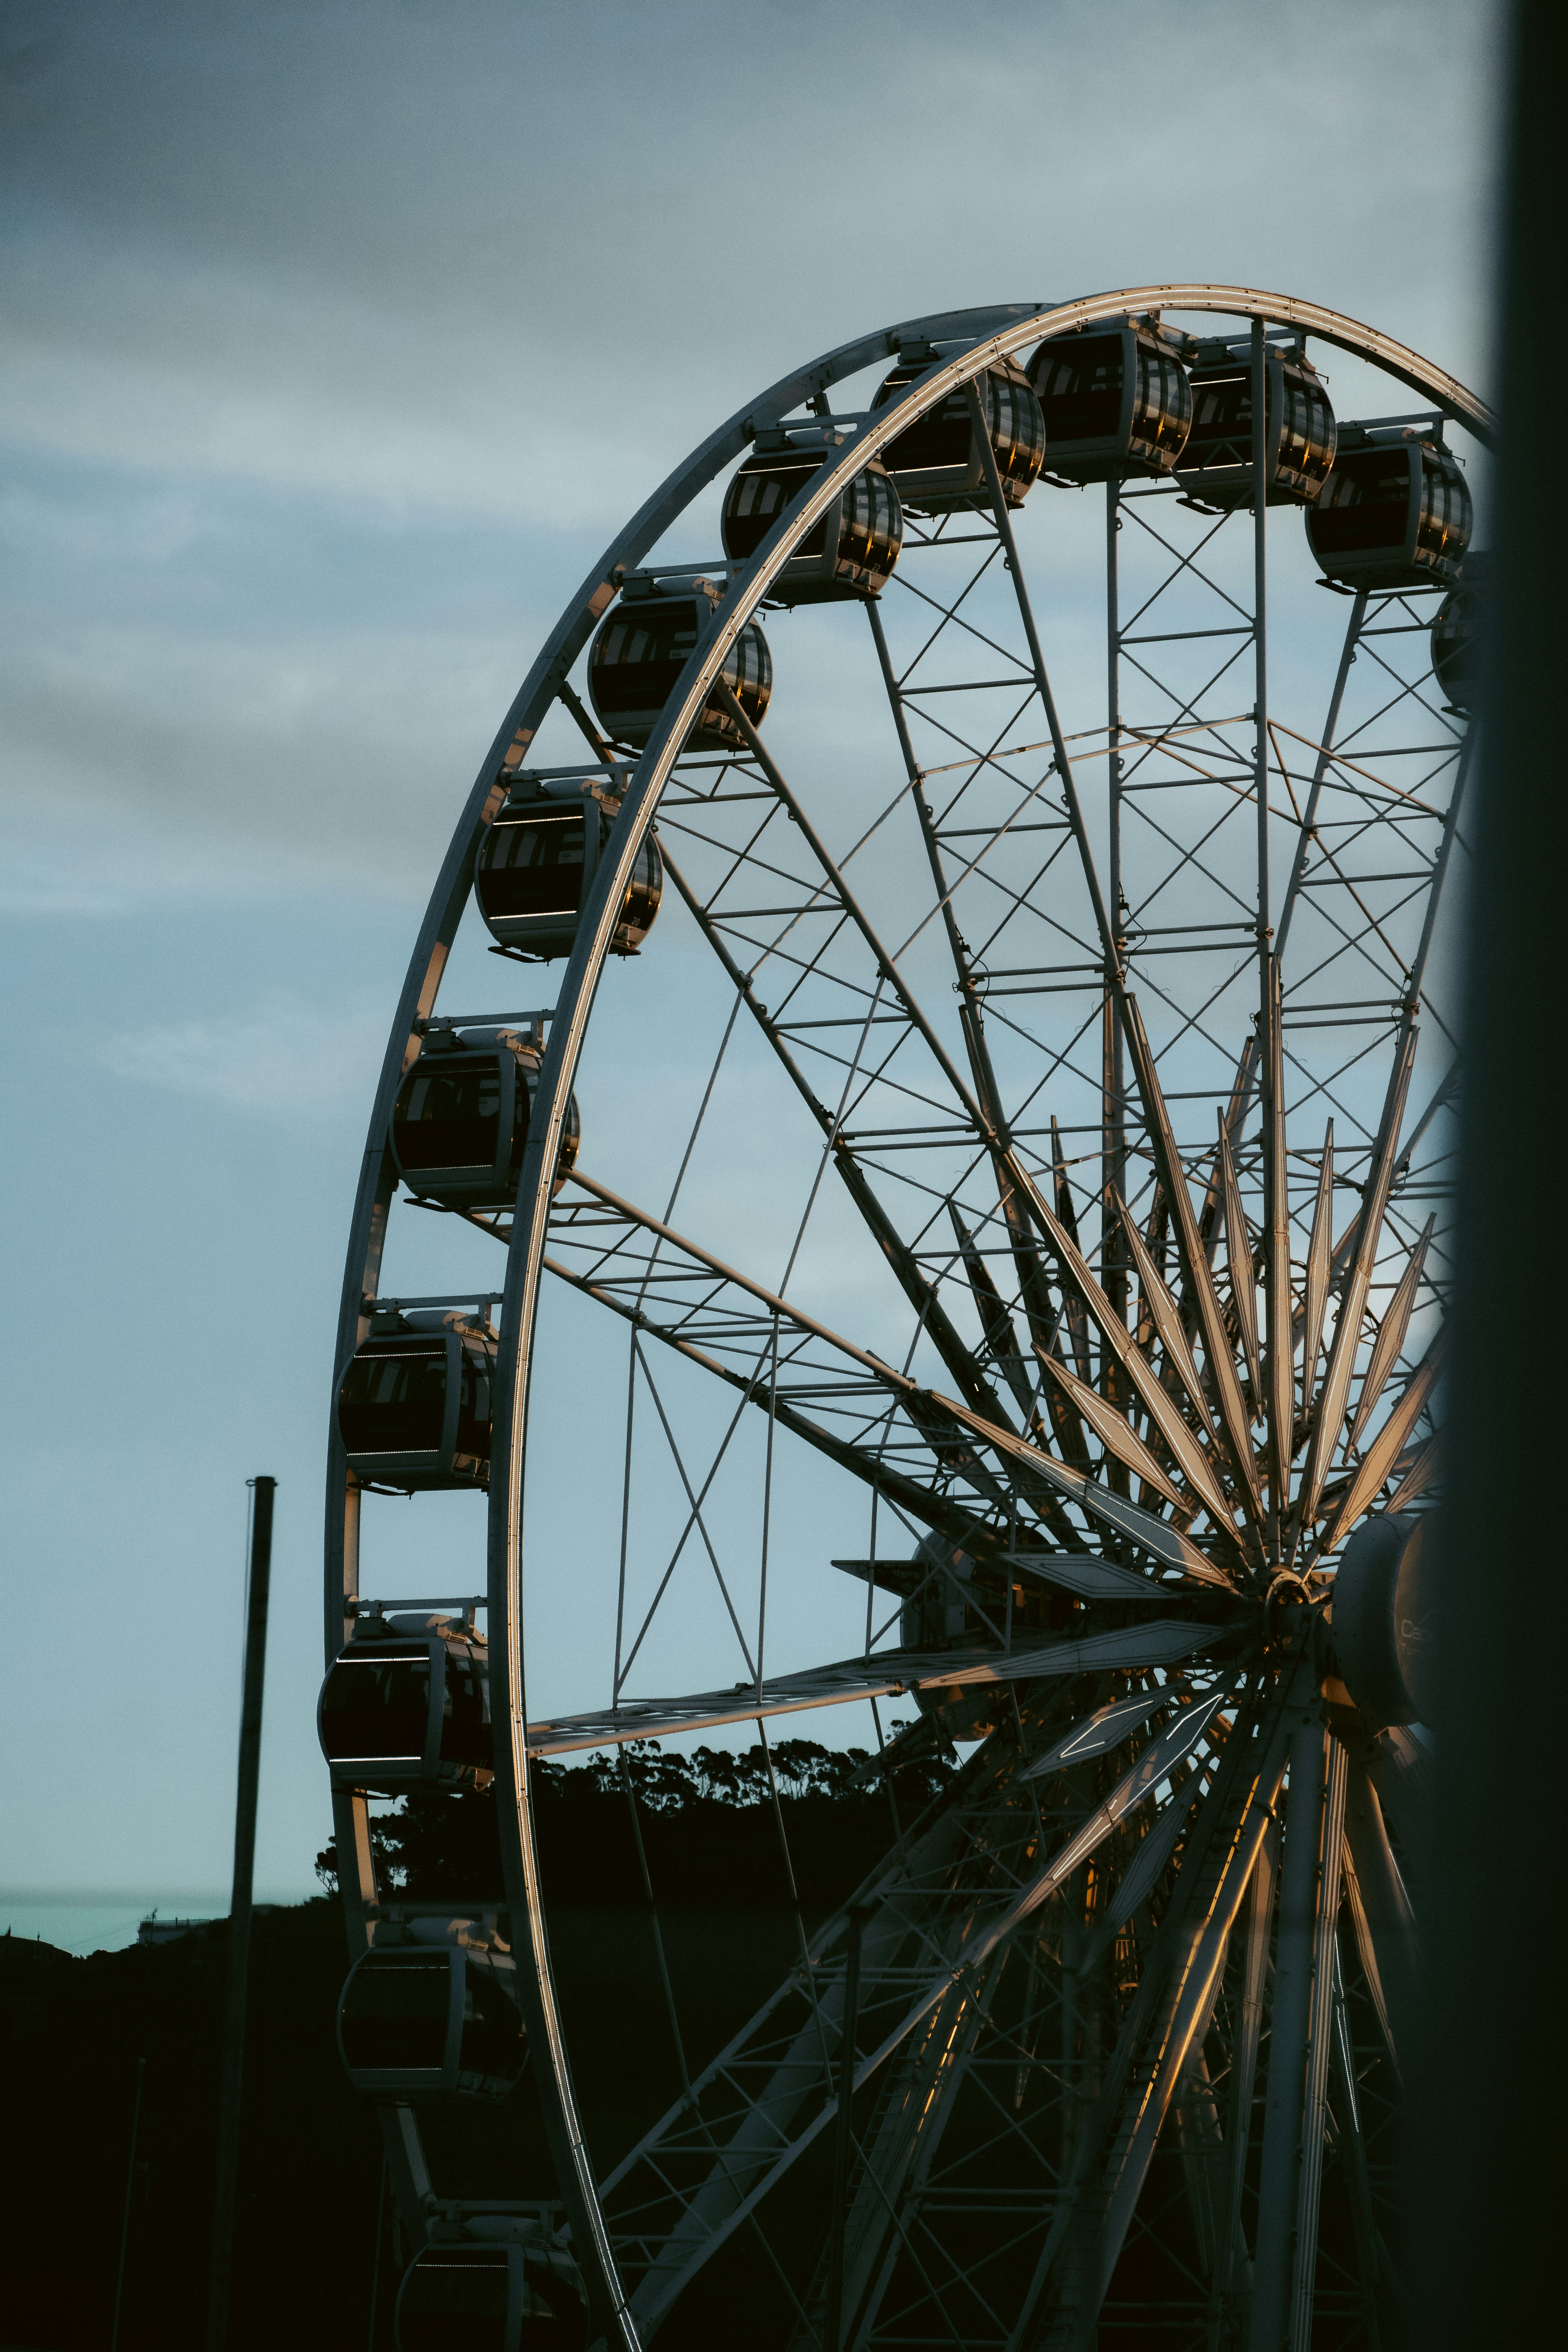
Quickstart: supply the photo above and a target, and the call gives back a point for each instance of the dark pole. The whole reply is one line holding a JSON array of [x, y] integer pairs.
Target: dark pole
[[130, 2185], [833, 2318], [1487, 2149], [258, 1581]]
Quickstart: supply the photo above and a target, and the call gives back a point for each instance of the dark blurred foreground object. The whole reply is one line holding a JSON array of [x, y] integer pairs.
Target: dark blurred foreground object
[[258, 1580], [1487, 2143]]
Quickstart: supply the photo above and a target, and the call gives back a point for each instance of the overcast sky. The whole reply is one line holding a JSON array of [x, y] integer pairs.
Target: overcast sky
[[337, 340]]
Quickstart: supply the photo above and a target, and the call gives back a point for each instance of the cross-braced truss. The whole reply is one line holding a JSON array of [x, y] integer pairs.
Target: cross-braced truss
[[1101, 1018]]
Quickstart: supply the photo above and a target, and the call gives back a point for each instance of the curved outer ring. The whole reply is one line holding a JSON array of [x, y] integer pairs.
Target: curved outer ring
[[998, 330]]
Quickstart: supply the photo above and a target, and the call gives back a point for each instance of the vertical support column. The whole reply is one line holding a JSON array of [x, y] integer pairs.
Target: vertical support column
[[1298, 2043], [258, 1581], [1073, 1941], [1233, 2262], [1279, 1336], [1276, 1261], [1113, 1081], [1260, 648], [1320, 2046]]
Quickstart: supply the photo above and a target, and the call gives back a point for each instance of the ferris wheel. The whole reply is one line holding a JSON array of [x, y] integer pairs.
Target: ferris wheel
[[972, 1178]]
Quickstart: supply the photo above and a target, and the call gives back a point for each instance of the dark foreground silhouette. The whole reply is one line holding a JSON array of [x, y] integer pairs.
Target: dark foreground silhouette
[[310, 2206]]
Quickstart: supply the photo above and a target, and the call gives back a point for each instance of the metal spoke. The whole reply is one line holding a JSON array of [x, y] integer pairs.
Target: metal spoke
[[1298, 2051], [1168, 2016], [1160, 1642], [1352, 1305], [1381, 1915]]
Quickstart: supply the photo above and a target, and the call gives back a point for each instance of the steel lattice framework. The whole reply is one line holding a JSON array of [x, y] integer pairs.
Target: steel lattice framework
[[1115, 1026]]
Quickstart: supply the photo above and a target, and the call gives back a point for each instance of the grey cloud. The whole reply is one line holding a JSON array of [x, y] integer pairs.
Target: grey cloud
[[340, 338], [142, 768], [281, 1058], [499, 241]]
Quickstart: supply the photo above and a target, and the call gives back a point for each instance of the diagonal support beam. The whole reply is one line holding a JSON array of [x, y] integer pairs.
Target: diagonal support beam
[[1247, 2041], [1391, 1332], [1387, 1445], [927, 1408], [1196, 1274], [1061, 2308], [1156, 1399], [1383, 1917], [896, 984], [1077, 1571], [1158, 1537], [1335, 1389], [1238, 1258], [1165, 1316], [1163, 1641], [922, 1295], [1319, 1250]]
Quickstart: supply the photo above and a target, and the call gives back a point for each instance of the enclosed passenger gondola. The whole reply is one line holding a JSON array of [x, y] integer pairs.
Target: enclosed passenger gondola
[[537, 861], [1395, 513], [1456, 635], [414, 1403], [406, 1704], [1299, 432], [852, 550], [460, 1120], [433, 2016], [644, 642], [937, 463], [513, 2288], [1115, 399]]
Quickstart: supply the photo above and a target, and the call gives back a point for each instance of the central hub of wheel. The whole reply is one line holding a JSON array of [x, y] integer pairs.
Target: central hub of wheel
[[1289, 1617]]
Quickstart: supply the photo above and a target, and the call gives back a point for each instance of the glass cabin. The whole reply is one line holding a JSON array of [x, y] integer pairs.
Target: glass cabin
[[406, 1704], [497, 2295], [644, 642], [1455, 635], [937, 463], [1395, 513], [414, 1403], [1298, 430], [428, 2020], [851, 552], [537, 861], [1115, 399], [461, 1118]]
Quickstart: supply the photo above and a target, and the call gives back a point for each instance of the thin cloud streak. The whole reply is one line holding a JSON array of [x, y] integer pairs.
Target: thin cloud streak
[[283, 1058]]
